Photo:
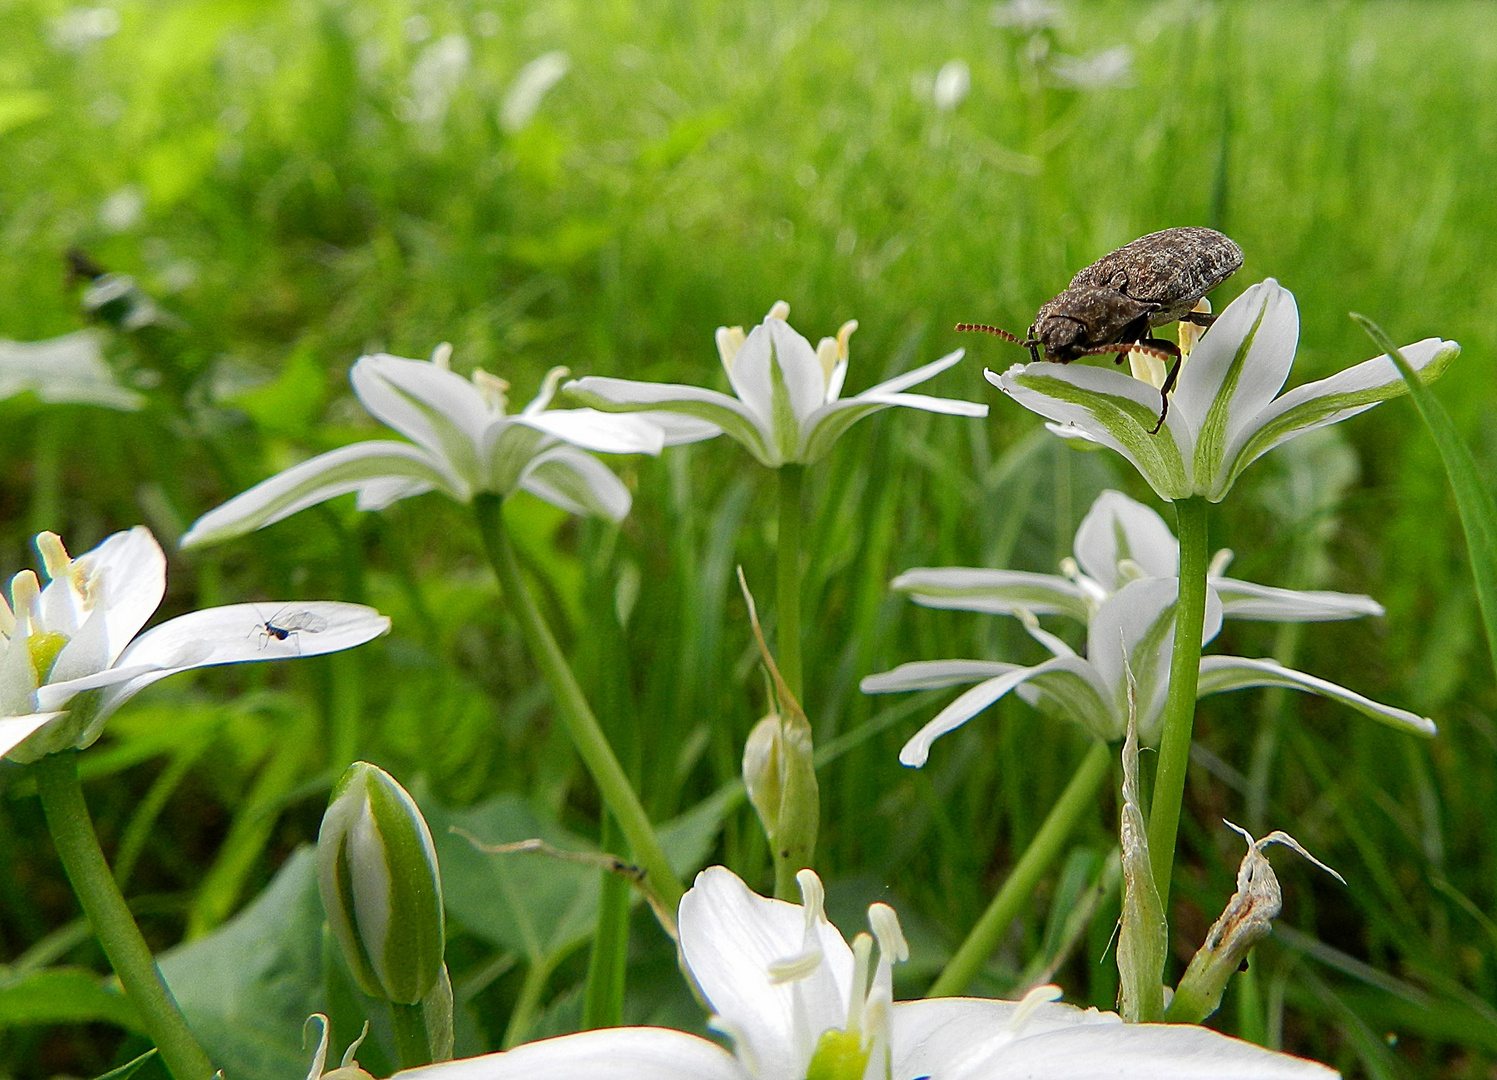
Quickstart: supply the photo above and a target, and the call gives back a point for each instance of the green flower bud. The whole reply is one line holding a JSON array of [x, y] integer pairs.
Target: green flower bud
[[377, 872]]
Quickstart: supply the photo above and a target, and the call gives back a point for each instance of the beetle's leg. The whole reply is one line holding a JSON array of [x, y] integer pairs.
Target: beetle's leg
[[1199, 318], [1169, 380]]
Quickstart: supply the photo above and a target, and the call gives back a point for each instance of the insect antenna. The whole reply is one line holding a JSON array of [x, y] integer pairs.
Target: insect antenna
[[983, 328], [1123, 348]]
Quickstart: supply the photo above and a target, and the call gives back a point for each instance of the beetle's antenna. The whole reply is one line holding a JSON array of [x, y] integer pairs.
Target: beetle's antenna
[[983, 328], [1123, 348]]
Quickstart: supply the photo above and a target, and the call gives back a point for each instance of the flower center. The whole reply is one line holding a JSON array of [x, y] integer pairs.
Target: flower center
[[44, 648], [840, 1055]]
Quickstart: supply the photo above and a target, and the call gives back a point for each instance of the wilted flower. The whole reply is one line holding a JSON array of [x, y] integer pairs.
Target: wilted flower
[[70, 655], [788, 407], [1123, 585], [70, 368], [381, 889], [797, 1001], [463, 441], [1225, 411]]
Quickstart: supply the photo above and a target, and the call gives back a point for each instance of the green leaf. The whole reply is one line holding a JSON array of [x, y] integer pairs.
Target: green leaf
[[290, 403], [1473, 500], [129, 1068], [63, 995], [247, 988]]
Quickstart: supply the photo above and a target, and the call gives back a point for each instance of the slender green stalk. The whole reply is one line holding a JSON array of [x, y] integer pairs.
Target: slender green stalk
[[1180, 706], [603, 998], [78, 846], [1079, 796], [571, 704], [411, 1040], [787, 565]]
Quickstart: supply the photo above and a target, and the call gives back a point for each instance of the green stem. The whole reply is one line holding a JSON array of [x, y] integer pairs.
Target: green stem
[[1079, 796], [411, 1040], [787, 565], [78, 846], [571, 704], [603, 998], [1180, 706]]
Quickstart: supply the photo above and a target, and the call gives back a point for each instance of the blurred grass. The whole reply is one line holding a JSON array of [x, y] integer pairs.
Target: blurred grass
[[303, 181]]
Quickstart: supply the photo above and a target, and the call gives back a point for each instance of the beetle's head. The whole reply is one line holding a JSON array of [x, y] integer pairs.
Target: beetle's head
[[1061, 337]]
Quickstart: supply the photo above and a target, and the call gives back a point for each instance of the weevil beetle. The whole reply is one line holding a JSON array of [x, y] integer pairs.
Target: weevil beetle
[[1113, 305]]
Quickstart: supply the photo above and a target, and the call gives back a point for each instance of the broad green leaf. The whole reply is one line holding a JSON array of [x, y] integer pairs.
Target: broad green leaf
[[248, 987], [1473, 499], [63, 995]]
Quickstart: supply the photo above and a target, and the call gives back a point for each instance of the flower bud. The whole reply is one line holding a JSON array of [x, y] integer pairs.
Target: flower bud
[[780, 774], [377, 872], [1247, 920]]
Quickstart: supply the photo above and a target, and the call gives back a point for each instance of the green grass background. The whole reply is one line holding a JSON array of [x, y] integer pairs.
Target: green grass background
[[296, 207]]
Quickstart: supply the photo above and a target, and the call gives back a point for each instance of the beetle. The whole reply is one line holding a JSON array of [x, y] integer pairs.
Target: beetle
[[1113, 305]]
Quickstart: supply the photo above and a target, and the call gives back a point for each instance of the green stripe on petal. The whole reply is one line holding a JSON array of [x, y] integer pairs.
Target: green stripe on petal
[[1211, 439]]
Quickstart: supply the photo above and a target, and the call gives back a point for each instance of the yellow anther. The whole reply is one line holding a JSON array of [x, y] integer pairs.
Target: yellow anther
[[891, 941], [779, 310], [795, 968], [844, 335], [812, 896], [493, 389], [1190, 333], [826, 354], [729, 340], [24, 591], [55, 557], [442, 356]]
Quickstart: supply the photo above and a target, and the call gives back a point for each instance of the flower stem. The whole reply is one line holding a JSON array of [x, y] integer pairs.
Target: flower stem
[[78, 846], [618, 794], [603, 997], [1044, 849], [411, 1040], [1180, 705], [787, 565]]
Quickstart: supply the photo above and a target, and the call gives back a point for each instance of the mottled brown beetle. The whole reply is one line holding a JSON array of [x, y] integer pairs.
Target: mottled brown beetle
[[1114, 304]]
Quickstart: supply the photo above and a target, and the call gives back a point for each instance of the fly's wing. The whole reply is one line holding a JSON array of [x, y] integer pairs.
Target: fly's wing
[[1172, 269], [303, 621]]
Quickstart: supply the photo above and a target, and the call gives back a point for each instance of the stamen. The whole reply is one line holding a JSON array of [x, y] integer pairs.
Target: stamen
[[1128, 570], [353, 1047], [812, 897], [54, 556], [441, 356], [1190, 333], [794, 968], [778, 310], [1219, 563], [729, 340], [884, 923], [826, 354], [1044, 637], [493, 390], [7, 619], [548, 390], [25, 590], [844, 336], [1031, 1001], [862, 953]]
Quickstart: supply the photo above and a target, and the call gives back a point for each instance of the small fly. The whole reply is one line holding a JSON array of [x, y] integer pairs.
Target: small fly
[[285, 624]]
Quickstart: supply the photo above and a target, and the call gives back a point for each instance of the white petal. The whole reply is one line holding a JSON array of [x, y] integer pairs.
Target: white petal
[[577, 482], [914, 378], [326, 476], [729, 937], [604, 433], [430, 405], [129, 571], [70, 368], [680, 429], [998, 592], [1248, 600], [1140, 1052], [1140, 619], [829, 423], [933, 675], [734, 417], [14, 730], [1115, 410], [749, 376], [1117, 528], [1222, 673], [932, 1035], [804, 379], [1073, 678], [1236, 369], [607, 1054], [236, 634], [1327, 401]]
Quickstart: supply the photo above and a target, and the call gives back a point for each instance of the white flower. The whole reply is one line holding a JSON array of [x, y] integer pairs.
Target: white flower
[[70, 655], [1122, 584], [953, 82], [788, 407], [798, 1001], [462, 442], [70, 368], [1224, 412]]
